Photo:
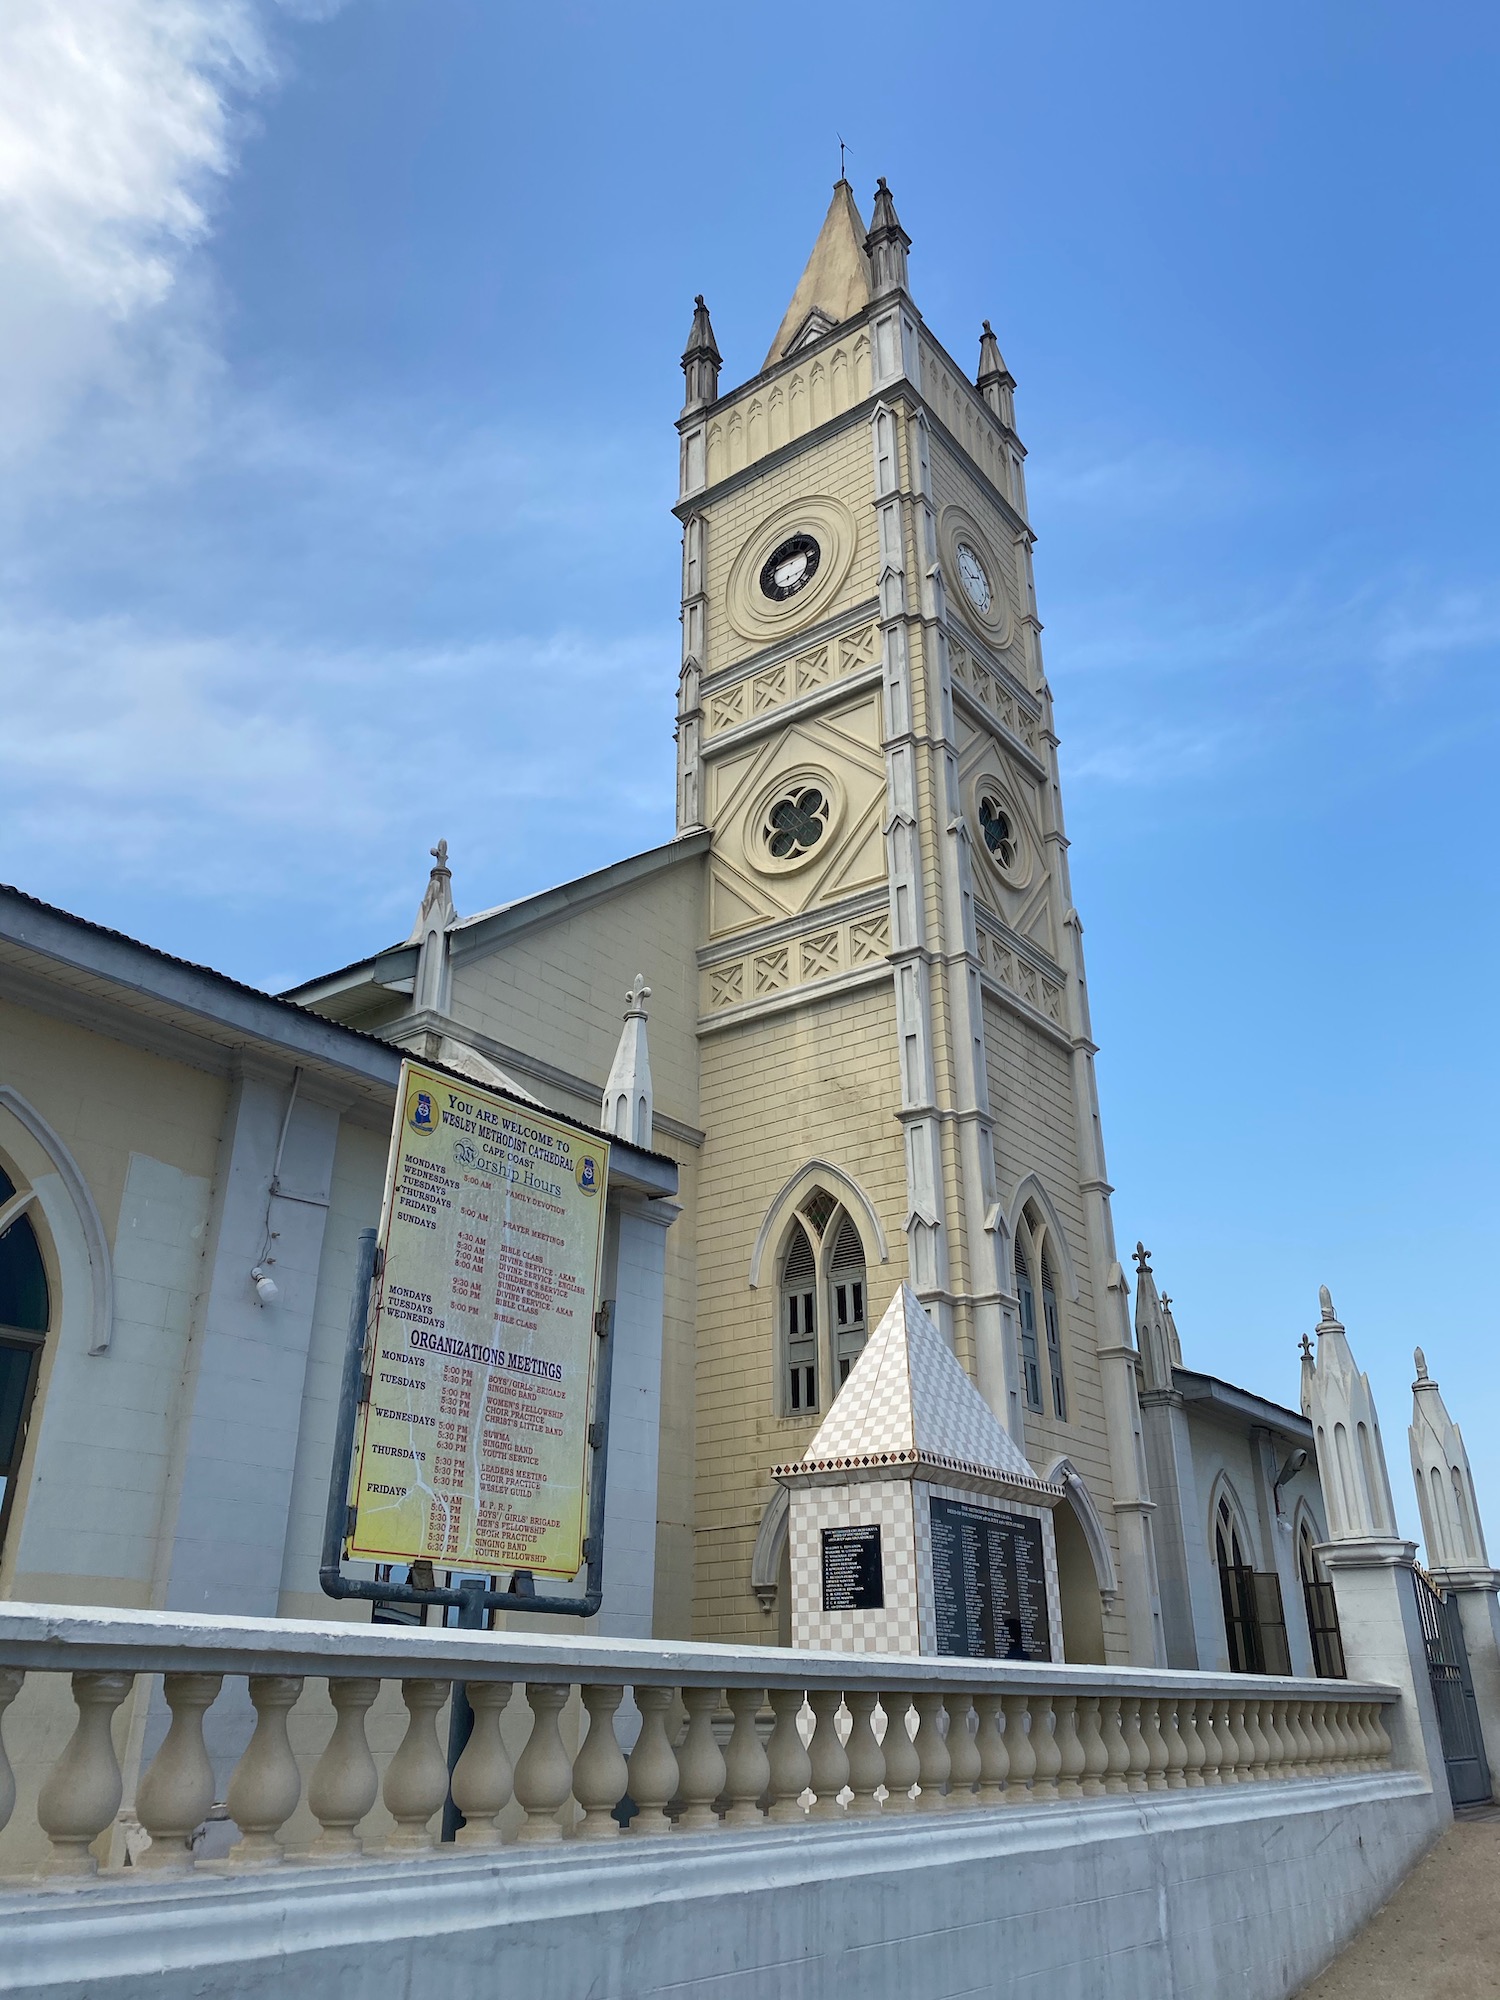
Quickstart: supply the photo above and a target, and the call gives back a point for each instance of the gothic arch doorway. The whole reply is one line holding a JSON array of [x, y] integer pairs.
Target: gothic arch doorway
[[1078, 1591]]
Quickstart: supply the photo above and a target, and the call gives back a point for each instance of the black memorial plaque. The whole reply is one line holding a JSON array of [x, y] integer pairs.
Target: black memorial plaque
[[853, 1579], [988, 1585]]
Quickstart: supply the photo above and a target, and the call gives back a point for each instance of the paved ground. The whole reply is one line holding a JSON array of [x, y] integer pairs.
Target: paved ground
[[1438, 1938]]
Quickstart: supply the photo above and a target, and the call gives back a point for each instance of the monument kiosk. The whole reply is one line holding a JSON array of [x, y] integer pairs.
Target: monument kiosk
[[915, 1523]]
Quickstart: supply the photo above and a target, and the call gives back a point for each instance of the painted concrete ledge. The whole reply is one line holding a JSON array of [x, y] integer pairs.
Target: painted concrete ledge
[[1245, 1892]]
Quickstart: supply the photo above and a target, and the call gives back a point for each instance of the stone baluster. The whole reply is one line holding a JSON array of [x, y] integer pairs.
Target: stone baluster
[[902, 1765], [1301, 1740], [791, 1767], [1156, 1744], [266, 1785], [1383, 1745], [10, 1686], [482, 1777], [82, 1793], [344, 1782], [1176, 1742], [1206, 1718], [963, 1753], [1322, 1741], [933, 1765], [866, 1759], [1344, 1752], [1229, 1753], [1117, 1750], [1070, 1759], [1044, 1743], [994, 1753], [1244, 1750], [700, 1762], [1135, 1744], [416, 1779], [1260, 1748], [173, 1798], [747, 1769], [1271, 1721], [1187, 1722], [1019, 1748], [1095, 1755], [829, 1760], [1353, 1713], [1335, 1738], [544, 1770]]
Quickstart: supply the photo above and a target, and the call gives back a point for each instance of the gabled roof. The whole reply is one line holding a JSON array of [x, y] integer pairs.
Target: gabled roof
[[908, 1399], [836, 281]]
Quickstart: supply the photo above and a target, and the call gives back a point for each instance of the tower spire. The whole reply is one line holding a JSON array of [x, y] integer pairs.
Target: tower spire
[[886, 245], [1151, 1336], [994, 381], [701, 359], [626, 1110], [1451, 1526], [835, 284], [430, 934], [1336, 1400]]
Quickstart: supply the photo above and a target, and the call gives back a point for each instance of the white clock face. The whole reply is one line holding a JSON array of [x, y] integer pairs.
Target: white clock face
[[790, 568], [972, 575], [787, 575]]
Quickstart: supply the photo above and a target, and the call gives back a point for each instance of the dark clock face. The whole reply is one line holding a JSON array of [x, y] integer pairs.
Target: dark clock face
[[791, 568]]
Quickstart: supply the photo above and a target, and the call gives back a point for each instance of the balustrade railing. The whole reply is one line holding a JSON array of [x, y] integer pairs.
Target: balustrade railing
[[726, 1738]]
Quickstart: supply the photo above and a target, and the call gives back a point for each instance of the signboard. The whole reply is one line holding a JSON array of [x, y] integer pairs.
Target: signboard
[[473, 1444], [853, 1579], [989, 1588]]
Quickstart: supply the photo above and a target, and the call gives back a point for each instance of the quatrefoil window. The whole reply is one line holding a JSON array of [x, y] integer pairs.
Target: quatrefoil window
[[796, 822], [999, 833]]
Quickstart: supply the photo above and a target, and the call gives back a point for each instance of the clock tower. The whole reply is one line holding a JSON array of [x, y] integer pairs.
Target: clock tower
[[895, 1058]]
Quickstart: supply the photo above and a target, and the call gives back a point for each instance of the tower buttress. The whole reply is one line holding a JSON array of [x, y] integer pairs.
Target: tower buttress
[[886, 245], [701, 361]]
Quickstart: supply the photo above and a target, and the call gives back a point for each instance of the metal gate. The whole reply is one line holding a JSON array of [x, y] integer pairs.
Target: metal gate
[[1453, 1694]]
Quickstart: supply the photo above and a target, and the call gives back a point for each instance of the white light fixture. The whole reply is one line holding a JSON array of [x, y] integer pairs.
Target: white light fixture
[[266, 1288]]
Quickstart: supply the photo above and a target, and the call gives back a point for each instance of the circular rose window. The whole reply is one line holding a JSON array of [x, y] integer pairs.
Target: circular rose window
[[796, 823], [998, 828]]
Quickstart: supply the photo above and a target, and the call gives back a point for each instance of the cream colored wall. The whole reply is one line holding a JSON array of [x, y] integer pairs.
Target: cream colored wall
[[557, 991], [817, 1081], [144, 1132]]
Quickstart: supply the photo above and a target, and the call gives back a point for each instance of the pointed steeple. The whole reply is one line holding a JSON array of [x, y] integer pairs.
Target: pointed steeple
[[701, 360], [1336, 1400], [627, 1106], [835, 284], [1151, 1336], [886, 245], [1451, 1526], [433, 983], [994, 380]]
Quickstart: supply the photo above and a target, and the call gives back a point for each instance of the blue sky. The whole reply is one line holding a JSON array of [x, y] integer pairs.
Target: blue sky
[[338, 364]]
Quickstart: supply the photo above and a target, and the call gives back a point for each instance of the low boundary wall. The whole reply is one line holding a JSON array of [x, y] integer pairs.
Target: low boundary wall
[[1242, 1892]]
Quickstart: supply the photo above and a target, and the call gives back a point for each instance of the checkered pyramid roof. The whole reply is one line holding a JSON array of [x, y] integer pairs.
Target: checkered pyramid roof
[[906, 1393]]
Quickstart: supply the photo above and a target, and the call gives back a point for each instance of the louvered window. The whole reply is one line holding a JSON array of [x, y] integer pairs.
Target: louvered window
[[1031, 1371], [846, 1287], [1054, 1343], [799, 1322]]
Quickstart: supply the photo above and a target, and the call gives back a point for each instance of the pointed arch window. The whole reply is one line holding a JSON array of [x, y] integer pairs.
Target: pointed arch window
[[1054, 1342], [1237, 1592], [1040, 1313], [1322, 1612], [823, 1304], [1031, 1366], [25, 1315]]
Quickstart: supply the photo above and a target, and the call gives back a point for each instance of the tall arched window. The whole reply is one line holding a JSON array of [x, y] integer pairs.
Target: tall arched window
[[1031, 1367], [799, 1321], [25, 1313], [1237, 1590], [846, 1296], [1041, 1319], [1322, 1611], [823, 1313]]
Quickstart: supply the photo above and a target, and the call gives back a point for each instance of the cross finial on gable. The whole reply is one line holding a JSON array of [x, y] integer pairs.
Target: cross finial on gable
[[440, 853]]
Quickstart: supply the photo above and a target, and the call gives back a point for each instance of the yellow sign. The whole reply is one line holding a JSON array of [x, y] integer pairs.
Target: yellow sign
[[473, 1448]]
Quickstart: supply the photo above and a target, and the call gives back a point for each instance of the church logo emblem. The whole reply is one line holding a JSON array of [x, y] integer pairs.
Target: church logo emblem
[[420, 1115], [586, 1173]]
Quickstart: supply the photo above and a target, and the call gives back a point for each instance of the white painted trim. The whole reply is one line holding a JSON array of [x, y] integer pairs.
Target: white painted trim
[[770, 1545], [101, 1264], [841, 1185], [1031, 1189], [1067, 1473]]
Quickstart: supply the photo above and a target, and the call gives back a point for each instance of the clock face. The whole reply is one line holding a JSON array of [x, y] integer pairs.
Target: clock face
[[973, 577], [791, 568]]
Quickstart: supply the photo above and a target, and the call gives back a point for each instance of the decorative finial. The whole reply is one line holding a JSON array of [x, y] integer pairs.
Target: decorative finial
[[439, 854], [1142, 1259], [1421, 1360], [842, 150], [701, 359], [637, 993], [1306, 1349], [1325, 1300], [626, 1109]]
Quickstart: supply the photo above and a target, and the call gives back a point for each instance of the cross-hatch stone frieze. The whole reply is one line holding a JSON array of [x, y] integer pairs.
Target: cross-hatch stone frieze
[[821, 953], [992, 694], [1014, 971], [772, 687]]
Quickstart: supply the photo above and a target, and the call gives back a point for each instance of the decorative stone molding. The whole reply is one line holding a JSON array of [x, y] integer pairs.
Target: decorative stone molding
[[91, 1223], [821, 953], [770, 688], [992, 695]]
